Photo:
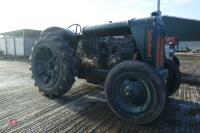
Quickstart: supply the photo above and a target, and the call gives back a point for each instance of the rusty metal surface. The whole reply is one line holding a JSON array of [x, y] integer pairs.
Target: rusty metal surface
[[84, 108]]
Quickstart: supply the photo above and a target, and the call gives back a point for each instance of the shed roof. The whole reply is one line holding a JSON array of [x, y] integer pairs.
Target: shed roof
[[28, 32], [182, 28]]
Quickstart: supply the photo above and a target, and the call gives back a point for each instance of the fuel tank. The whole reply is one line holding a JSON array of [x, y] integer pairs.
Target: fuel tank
[[109, 29]]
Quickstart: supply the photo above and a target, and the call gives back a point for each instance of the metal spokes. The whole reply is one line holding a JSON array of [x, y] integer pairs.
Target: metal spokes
[[46, 64]]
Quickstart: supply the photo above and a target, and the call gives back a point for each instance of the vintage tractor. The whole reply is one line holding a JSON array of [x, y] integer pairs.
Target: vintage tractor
[[128, 57]]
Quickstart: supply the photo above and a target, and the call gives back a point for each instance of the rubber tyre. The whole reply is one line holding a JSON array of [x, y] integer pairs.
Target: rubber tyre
[[66, 64], [176, 61], [174, 77], [142, 71]]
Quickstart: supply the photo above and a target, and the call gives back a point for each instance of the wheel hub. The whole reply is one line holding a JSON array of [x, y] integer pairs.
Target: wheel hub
[[133, 92], [46, 65], [133, 95]]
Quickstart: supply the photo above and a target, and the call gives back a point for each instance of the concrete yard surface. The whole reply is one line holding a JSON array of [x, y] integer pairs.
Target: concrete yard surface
[[84, 109]]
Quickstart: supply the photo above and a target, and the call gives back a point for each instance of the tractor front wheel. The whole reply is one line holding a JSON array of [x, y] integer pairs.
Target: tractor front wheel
[[135, 92]]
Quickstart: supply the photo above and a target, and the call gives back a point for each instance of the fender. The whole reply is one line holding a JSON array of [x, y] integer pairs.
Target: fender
[[68, 35]]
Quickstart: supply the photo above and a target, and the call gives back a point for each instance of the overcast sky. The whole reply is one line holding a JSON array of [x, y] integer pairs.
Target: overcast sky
[[40, 14]]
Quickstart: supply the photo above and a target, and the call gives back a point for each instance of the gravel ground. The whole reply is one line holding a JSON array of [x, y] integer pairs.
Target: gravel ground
[[83, 108], [190, 67]]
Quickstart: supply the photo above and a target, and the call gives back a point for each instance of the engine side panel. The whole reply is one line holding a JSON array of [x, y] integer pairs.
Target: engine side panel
[[109, 51]]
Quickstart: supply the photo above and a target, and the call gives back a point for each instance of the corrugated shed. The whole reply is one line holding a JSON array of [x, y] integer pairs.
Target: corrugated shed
[[10, 46], [184, 29], [19, 42]]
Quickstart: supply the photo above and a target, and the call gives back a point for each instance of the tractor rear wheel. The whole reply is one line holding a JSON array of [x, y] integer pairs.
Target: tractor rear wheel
[[135, 92], [53, 65], [174, 77]]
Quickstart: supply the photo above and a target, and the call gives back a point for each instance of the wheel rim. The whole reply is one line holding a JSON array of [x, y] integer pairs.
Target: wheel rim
[[46, 65], [133, 95]]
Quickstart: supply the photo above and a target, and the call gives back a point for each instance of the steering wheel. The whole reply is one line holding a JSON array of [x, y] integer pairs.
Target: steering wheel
[[77, 28]]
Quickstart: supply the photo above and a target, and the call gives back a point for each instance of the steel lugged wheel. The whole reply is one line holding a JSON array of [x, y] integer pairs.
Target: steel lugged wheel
[[174, 77], [53, 65], [135, 92]]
